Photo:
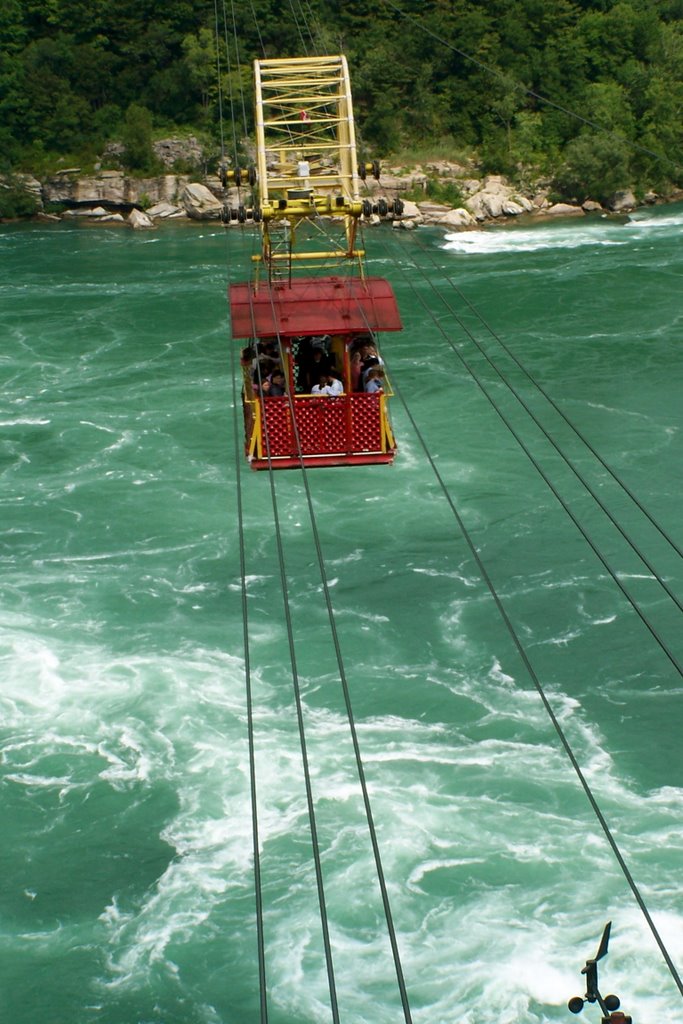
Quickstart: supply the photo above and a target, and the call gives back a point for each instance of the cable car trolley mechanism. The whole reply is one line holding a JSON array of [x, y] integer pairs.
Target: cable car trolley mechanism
[[315, 390]]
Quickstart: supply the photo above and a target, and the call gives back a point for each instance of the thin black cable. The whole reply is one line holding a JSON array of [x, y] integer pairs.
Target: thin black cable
[[260, 941], [239, 67], [258, 889], [565, 458], [298, 27], [347, 699], [548, 707], [612, 572], [351, 720], [262, 45], [546, 703], [230, 89], [530, 92], [315, 846], [663, 533], [537, 683], [220, 84]]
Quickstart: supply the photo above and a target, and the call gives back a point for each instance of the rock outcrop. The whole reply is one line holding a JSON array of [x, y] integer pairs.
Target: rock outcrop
[[495, 198], [110, 195], [139, 221], [111, 187], [200, 203]]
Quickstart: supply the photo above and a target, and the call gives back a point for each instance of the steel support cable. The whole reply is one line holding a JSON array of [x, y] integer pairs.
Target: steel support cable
[[257, 27], [506, 79], [315, 846], [340, 663], [311, 23], [617, 479], [230, 88], [391, 930], [541, 692], [239, 67], [298, 28], [537, 684], [565, 458], [218, 77], [258, 889], [343, 679], [612, 572], [263, 998]]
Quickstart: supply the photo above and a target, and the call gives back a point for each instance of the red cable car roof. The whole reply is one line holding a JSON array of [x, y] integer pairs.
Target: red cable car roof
[[309, 306]]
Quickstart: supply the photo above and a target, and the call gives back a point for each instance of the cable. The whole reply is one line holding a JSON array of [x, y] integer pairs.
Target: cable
[[570, 424], [612, 572], [487, 579], [263, 1001], [546, 703], [568, 462], [541, 692]]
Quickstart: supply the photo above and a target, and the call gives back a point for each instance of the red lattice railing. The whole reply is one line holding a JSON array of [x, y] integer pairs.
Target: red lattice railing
[[343, 425]]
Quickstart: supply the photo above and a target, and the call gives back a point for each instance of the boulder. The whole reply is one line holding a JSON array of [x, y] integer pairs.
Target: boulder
[[139, 221], [590, 206], [199, 203], [31, 185], [563, 210], [165, 210], [446, 169], [433, 212], [622, 201], [457, 219], [510, 208], [493, 200], [96, 212]]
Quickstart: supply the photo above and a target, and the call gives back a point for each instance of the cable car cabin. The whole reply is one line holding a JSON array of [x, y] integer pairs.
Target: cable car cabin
[[307, 327]]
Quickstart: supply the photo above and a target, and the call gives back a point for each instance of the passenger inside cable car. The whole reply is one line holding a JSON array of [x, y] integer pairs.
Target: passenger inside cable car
[[305, 359]]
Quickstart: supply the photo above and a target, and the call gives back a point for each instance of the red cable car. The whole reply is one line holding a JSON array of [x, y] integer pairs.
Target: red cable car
[[300, 327], [314, 322]]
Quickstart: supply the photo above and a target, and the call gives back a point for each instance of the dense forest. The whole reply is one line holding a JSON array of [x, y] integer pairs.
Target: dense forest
[[586, 92]]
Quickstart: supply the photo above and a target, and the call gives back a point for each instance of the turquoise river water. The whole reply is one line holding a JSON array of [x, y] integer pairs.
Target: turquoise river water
[[126, 881]]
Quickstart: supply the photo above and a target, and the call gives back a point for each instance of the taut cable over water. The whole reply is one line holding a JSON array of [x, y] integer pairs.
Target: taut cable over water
[[487, 579]]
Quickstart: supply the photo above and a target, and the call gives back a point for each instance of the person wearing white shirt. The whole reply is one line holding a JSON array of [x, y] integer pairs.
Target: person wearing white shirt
[[328, 385]]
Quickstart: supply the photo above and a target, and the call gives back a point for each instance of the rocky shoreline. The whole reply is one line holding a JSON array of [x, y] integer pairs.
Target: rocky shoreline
[[113, 197]]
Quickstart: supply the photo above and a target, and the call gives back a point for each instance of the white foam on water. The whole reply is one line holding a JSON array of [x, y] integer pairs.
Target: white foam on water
[[513, 239], [478, 862], [567, 236]]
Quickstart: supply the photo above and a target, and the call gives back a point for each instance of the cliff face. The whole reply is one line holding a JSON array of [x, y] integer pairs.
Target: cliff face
[[113, 188]]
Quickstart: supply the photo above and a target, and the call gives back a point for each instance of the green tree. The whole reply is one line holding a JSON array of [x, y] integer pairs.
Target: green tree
[[199, 51], [595, 166], [137, 138]]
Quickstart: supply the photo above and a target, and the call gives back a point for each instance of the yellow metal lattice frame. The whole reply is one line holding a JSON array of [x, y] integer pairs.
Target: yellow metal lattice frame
[[306, 159]]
